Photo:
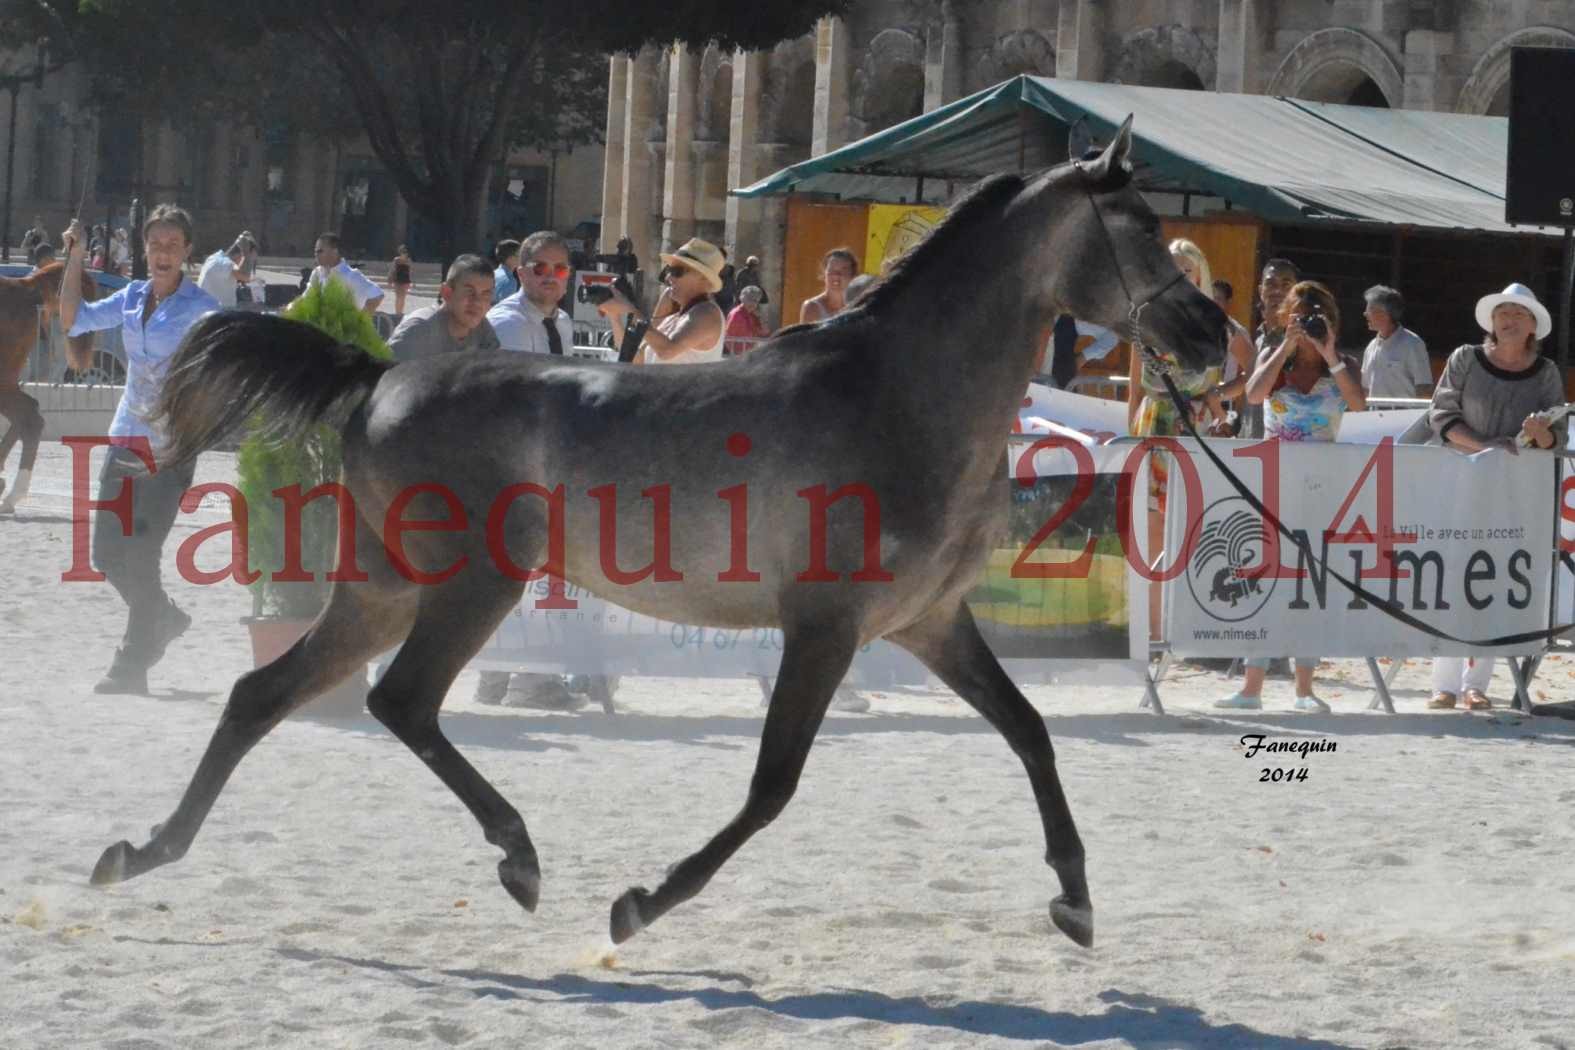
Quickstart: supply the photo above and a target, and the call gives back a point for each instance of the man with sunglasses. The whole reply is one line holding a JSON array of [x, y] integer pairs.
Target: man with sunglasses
[[530, 321], [331, 266]]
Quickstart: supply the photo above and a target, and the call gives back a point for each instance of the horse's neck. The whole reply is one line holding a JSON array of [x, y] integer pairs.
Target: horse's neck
[[971, 343]]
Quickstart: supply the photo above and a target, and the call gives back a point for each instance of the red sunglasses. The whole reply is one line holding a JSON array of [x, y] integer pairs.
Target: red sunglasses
[[543, 269]]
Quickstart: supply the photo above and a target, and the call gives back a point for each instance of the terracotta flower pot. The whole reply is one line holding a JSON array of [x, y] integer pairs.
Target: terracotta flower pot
[[271, 637]]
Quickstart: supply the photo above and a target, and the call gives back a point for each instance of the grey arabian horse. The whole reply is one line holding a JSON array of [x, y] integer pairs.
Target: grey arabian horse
[[907, 399]]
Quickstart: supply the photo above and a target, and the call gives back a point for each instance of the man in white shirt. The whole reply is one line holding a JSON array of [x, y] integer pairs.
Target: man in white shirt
[[520, 321], [223, 271], [331, 266], [1396, 362]]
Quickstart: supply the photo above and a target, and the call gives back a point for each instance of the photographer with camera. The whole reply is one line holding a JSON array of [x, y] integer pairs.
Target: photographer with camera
[[687, 326], [1305, 386]]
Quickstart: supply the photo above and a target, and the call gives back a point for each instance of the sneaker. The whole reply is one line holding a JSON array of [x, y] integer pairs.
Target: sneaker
[[846, 699], [491, 687], [125, 676], [549, 694], [1311, 703], [1240, 702]]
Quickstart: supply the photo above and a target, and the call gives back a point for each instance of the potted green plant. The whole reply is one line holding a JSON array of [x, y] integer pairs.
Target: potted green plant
[[282, 610]]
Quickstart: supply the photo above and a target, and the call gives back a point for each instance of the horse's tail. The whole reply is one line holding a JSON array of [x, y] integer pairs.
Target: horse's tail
[[233, 366]]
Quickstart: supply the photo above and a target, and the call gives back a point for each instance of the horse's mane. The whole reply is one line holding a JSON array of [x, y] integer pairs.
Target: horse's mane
[[985, 199]]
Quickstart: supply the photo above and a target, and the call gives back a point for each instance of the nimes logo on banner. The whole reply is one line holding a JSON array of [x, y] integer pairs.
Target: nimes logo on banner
[[1229, 575]]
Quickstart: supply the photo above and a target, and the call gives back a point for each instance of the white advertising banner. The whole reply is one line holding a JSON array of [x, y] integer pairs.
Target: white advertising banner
[[1464, 544]]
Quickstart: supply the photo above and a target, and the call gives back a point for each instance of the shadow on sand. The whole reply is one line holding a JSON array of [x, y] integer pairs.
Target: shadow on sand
[[1139, 1020], [532, 732]]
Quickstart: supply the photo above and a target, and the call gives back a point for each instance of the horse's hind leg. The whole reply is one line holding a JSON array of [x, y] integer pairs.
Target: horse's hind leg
[[361, 620], [814, 661], [27, 425], [948, 642], [452, 624]]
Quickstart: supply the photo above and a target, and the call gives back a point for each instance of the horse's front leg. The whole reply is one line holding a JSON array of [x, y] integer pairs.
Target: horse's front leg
[[815, 658], [453, 622], [359, 622], [948, 642], [27, 426]]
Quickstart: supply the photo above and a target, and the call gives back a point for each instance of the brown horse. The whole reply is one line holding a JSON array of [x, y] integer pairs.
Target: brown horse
[[25, 304]]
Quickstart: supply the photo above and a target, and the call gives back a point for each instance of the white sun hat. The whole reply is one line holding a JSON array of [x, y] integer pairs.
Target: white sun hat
[[1520, 295]]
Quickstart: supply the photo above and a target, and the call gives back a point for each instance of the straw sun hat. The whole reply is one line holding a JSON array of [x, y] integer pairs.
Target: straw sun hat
[[703, 257]]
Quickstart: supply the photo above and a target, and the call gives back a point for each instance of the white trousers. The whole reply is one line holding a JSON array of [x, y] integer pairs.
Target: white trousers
[[1455, 674]]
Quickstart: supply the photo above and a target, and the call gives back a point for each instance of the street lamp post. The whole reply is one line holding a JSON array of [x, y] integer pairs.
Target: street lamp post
[[10, 170]]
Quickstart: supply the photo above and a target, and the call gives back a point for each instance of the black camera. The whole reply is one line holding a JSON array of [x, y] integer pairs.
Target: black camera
[[1314, 323], [596, 294]]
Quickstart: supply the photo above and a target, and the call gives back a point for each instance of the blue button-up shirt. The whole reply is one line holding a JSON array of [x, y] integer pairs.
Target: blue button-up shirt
[[148, 349], [504, 284]]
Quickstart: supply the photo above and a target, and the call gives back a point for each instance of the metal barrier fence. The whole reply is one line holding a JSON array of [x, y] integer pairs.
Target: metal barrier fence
[[46, 362]]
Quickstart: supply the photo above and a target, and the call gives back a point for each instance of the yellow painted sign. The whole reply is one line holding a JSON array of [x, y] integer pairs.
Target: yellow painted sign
[[895, 228]]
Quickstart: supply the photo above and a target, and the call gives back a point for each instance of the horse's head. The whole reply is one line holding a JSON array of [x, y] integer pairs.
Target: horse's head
[[1111, 265]]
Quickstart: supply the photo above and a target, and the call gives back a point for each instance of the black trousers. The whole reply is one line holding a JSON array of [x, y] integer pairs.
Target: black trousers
[[131, 562]]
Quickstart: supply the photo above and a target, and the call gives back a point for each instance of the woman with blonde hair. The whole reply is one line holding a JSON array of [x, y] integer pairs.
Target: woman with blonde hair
[[1151, 413]]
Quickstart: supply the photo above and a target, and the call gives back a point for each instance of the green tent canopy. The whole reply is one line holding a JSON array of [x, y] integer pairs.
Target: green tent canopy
[[1283, 159]]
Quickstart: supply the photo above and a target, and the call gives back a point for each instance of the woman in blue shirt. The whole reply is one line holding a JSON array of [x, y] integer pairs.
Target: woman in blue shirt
[[154, 316]]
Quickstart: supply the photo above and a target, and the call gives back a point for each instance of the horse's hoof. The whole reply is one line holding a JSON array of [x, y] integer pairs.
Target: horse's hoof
[[628, 917], [522, 879], [1074, 920], [111, 867]]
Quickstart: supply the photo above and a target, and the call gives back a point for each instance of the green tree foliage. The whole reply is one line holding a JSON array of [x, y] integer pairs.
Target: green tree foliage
[[441, 91], [263, 467]]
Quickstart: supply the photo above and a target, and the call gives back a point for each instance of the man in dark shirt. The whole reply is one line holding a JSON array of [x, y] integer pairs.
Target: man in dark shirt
[[459, 323]]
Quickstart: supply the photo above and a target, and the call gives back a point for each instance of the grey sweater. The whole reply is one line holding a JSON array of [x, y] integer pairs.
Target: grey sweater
[[1491, 401]]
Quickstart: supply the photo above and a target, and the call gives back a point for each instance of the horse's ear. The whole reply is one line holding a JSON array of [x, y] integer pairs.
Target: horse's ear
[[1120, 149], [1116, 157], [1078, 139]]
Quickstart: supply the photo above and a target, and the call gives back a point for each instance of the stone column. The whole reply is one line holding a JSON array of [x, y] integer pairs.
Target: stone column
[[678, 186], [943, 60], [1079, 51], [1240, 40], [612, 156], [831, 86], [1423, 50], [743, 168], [639, 112], [771, 245]]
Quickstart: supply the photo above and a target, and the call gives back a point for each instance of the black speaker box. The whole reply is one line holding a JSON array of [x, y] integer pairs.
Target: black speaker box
[[1540, 185]]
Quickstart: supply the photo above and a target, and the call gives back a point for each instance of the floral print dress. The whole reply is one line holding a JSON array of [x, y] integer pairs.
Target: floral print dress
[[1157, 416], [1291, 415]]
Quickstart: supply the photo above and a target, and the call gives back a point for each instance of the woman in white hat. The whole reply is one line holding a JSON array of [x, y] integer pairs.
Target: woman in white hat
[[1487, 396], [687, 326]]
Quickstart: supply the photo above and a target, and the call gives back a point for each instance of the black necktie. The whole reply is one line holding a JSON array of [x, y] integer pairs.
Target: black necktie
[[554, 340]]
